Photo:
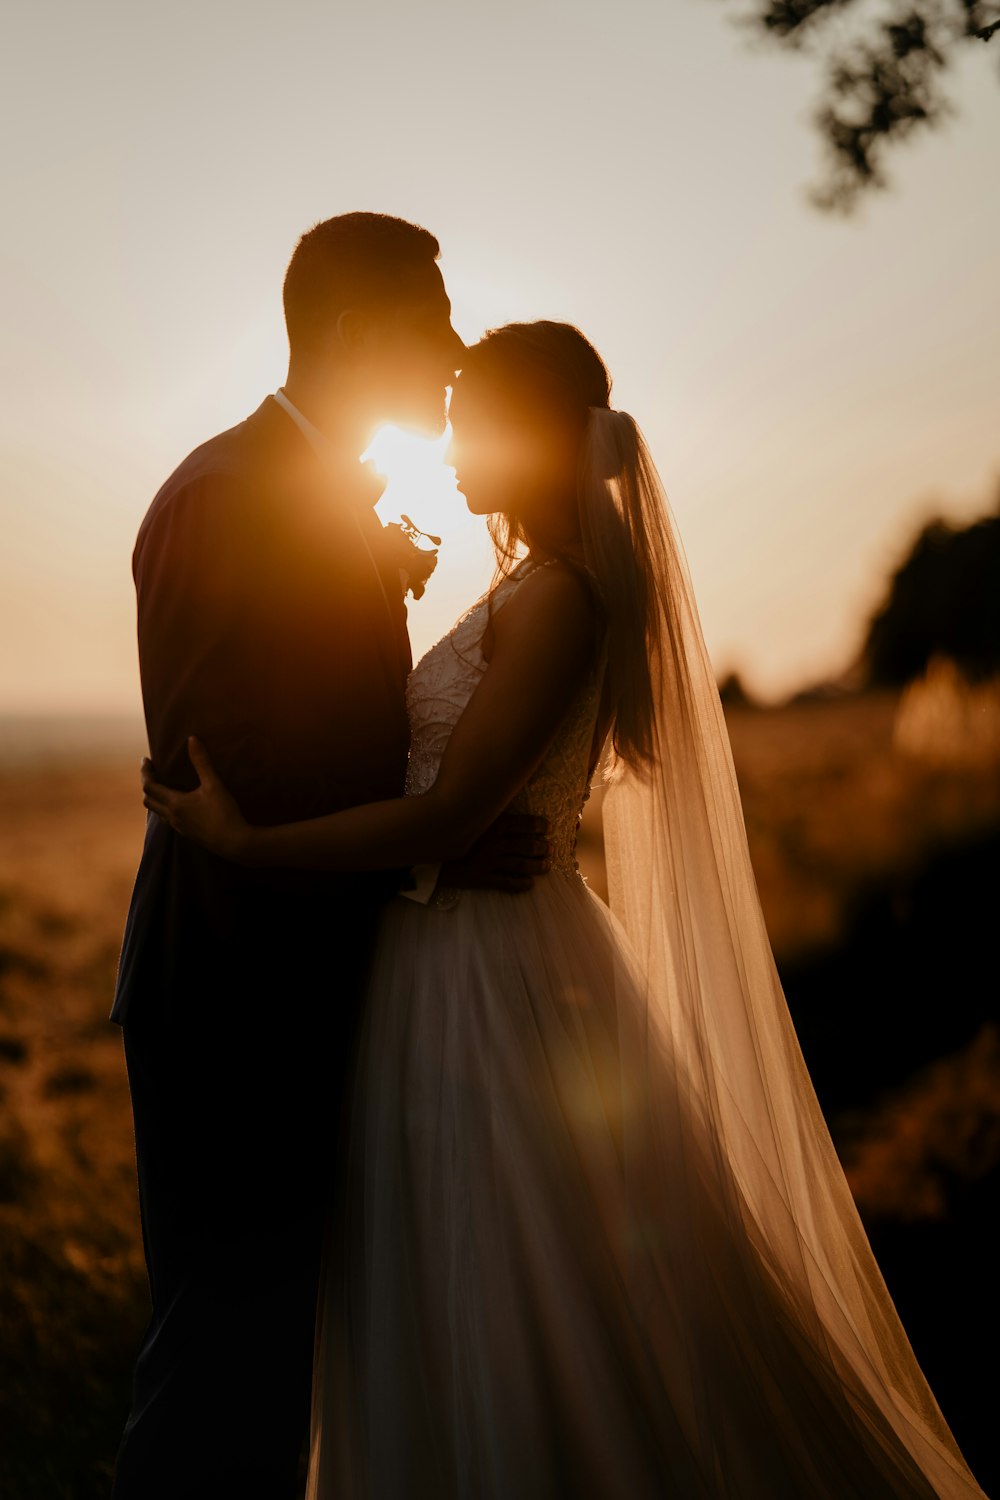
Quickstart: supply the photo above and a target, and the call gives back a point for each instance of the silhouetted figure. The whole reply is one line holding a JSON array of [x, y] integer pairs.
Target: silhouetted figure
[[268, 625]]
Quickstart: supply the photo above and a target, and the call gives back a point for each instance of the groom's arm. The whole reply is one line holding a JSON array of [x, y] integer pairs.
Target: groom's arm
[[195, 656]]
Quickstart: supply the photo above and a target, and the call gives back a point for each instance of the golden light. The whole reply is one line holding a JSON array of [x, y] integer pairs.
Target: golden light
[[420, 483], [422, 486]]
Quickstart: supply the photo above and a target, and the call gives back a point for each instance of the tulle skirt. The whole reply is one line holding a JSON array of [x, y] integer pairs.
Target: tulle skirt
[[541, 1282]]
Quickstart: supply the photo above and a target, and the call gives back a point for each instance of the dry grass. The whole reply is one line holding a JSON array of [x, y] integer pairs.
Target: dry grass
[[72, 1285], [833, 807], [937, 1134]]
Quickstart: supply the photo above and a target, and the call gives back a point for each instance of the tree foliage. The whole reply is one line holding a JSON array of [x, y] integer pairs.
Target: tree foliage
[[883, 76], [943, 600]]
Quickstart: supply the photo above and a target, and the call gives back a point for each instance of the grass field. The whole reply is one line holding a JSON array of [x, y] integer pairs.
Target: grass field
[[878, 876]]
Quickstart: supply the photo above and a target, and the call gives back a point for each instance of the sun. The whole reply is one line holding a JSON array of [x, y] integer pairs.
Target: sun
[[420, 484]]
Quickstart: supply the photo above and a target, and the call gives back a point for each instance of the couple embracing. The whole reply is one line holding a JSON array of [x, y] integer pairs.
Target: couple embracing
[[484, 1187]]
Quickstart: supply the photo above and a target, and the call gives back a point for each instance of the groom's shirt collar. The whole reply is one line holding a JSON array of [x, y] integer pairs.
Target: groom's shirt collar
[[318, 440], [365, 484]]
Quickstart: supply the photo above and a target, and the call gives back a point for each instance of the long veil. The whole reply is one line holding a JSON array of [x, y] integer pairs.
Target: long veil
[[769, 1242]]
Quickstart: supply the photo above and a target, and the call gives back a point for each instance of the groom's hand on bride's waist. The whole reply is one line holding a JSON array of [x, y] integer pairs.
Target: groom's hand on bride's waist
[[508, 857]]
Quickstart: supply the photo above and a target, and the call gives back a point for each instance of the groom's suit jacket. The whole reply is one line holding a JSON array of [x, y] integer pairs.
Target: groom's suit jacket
[[269, 627]]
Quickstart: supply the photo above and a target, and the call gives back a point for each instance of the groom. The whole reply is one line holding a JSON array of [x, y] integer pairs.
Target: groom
[[271, 623]]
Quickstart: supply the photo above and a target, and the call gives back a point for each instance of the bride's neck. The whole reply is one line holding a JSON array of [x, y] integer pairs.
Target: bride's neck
[[548, 540]]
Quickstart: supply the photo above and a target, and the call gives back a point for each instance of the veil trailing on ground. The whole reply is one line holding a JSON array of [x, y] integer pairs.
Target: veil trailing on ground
[[781, 1270]]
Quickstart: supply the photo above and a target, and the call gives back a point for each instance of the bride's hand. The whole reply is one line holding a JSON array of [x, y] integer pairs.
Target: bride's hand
[[208, 815]]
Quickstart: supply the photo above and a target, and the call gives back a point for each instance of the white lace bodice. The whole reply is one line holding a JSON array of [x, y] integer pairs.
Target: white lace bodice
[[440, 686]]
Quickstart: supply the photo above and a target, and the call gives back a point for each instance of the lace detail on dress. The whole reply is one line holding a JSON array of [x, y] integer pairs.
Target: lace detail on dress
[[439, 687]]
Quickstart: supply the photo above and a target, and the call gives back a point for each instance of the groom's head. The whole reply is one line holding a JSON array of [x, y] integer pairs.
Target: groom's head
[[366, 307]]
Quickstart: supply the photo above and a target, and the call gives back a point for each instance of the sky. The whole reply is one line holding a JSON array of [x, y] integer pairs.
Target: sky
[[812, 389]]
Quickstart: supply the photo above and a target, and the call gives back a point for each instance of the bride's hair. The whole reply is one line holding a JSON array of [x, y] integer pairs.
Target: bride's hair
[[551, 368]]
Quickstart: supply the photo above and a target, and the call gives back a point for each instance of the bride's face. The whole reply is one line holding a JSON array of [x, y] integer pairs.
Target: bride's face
[[509, 455]]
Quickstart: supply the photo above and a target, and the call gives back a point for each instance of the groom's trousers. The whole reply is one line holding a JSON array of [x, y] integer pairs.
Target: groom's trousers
[[238, 1106]]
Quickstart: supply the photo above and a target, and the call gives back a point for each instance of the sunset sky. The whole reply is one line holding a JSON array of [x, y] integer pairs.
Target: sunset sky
[[811, 388]]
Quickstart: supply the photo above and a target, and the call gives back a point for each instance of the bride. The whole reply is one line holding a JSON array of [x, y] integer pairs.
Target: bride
[[595, 1237]]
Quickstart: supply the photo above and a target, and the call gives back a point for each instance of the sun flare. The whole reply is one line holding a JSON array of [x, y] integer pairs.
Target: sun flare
[[420, 484]]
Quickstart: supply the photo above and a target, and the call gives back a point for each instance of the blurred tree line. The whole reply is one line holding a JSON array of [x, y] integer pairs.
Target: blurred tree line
[[943, 600]]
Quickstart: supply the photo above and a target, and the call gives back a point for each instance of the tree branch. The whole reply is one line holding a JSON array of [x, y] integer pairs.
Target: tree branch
[[880, 87]]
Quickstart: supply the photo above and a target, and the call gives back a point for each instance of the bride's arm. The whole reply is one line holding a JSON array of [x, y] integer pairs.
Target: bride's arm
[[543, 644]]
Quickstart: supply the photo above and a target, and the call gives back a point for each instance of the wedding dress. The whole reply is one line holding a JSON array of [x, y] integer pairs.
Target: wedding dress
[[553, 1277]]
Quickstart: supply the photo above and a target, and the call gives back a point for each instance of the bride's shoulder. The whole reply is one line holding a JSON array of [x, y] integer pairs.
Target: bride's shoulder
[[552, 598], [560, 582]]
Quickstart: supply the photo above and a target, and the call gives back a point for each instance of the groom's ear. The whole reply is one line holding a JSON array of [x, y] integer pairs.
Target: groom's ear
[[353, 330]]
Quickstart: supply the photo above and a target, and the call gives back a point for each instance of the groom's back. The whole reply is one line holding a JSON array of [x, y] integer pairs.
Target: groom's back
[[264, 629]]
